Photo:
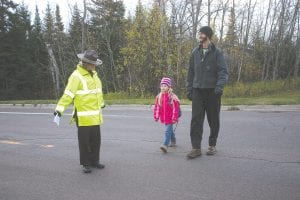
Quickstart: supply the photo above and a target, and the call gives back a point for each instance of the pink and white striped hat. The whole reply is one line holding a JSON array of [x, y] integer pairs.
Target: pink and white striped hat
[[166, 81]]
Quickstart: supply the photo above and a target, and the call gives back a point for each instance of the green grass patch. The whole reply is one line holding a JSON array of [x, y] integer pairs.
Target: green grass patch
[[262, 88], [280, 92], [281, 98]]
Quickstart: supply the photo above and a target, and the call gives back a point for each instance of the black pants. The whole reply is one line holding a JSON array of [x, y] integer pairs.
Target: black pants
[[205, 101], [89, 139]]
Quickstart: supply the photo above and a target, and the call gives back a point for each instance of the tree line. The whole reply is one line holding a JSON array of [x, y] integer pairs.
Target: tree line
[[260, 39]]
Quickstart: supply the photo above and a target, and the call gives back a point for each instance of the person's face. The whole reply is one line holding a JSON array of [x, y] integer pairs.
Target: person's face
[[202, 37], [89, 66], [164, 88]]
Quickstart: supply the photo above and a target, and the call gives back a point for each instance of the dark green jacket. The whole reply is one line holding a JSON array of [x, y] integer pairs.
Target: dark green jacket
[[207, 71]]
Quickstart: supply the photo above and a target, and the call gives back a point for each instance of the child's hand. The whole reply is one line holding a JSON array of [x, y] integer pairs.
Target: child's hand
[[156, 120]]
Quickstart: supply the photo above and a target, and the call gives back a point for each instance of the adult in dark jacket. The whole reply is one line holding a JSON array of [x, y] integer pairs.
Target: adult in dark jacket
[[207, 76]]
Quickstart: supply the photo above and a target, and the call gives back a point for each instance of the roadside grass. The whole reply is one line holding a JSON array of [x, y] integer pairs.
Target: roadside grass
[[280, 92], [282, 98]]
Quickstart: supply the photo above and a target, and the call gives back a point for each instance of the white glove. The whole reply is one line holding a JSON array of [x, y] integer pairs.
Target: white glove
[[56, 120]]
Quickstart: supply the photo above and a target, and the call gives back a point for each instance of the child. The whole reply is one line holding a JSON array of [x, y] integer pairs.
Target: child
[[167, 110]]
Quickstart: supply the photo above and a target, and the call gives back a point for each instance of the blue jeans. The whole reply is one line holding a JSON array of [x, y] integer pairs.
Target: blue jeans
[[169, 135]]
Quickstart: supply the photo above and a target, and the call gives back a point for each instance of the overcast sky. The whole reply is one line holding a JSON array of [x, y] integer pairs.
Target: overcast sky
[[65, 6]]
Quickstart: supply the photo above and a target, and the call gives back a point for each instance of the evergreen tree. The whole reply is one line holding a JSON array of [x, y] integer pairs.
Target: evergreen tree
[[107, 30], [58, 25], [231, 38], [19, 60], [48, 29], [41, 74], [134, 53], [231, 46], [7, 8], [75, 30], [37, 25], [151, 49], [60, 47], [158, 54], [7, 13]]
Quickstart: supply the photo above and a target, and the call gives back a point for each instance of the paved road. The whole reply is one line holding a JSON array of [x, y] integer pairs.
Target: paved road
[[258, 159]]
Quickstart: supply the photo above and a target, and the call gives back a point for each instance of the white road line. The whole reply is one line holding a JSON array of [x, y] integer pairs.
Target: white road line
[[29, 113]]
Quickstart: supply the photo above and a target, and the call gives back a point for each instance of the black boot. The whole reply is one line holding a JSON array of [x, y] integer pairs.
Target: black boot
[[98, 166], [86, 169]]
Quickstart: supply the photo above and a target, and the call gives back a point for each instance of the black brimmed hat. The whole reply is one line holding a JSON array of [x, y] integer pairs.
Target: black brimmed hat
[[90, 56]]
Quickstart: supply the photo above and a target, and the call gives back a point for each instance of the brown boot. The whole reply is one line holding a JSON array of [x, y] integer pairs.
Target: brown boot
[[194, 153], [211, 151]]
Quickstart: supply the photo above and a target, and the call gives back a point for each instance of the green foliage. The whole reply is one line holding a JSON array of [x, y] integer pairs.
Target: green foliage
[[282, 98], [107, 33], [137, 51], [152, 51]]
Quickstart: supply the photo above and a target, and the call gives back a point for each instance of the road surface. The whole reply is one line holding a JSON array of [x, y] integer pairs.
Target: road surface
[[258, 158]]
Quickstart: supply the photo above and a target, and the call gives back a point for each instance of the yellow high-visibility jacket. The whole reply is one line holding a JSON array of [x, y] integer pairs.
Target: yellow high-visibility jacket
[[86, 92]]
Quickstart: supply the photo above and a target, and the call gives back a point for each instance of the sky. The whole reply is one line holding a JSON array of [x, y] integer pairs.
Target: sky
[[66, 5]]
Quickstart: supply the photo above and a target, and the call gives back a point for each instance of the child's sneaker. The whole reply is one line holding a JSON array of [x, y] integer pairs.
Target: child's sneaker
[[164, 148], [173, 144]]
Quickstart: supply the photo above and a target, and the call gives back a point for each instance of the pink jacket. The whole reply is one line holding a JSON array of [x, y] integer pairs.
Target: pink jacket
[[168, 109]]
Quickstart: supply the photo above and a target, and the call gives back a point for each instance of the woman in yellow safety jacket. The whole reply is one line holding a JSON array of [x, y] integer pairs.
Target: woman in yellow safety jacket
[[84, 88]]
